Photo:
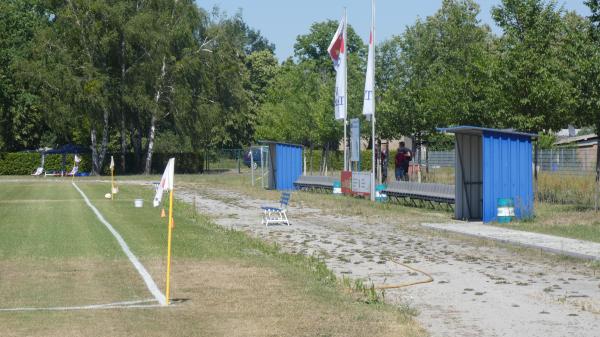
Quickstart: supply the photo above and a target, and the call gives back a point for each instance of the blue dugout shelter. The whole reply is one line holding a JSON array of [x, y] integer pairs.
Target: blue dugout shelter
[[285, 165], [492, 164]]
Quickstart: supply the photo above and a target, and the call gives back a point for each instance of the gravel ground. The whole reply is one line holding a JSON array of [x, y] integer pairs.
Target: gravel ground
[[478, 289]]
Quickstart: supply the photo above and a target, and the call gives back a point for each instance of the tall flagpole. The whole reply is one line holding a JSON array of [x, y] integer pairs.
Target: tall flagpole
[[373, 163], [169, 236], [345, 89]]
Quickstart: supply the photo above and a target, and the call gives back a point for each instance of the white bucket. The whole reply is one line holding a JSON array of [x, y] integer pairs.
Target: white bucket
[[138, 203]]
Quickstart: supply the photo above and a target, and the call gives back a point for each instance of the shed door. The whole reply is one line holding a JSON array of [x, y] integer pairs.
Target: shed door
[[468, 177]]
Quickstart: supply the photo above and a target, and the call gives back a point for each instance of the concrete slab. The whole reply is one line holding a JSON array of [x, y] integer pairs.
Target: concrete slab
[[549, 243]]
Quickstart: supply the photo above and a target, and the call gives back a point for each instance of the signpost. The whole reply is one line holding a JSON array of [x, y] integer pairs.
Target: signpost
[[355, 140]]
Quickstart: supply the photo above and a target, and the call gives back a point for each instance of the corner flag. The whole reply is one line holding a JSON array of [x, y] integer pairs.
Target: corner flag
[[166, 182]]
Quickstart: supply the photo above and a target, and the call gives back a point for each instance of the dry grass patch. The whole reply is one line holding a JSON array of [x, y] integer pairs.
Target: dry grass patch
[[224, 298], [68, 282]]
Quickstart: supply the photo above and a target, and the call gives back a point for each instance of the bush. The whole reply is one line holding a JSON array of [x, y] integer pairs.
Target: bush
[[24, 163], [19, 163]]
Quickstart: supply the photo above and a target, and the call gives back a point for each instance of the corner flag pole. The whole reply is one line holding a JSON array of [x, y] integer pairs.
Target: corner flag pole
[[170, 224]]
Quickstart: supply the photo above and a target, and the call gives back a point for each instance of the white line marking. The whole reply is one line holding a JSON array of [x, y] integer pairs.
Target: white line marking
[[134, 260], [116, 305]]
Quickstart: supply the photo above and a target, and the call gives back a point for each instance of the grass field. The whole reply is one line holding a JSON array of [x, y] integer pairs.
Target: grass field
[[55, 253]]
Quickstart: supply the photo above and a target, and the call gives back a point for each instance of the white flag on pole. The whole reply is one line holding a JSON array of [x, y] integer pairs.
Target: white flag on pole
[[369, 100], [337, 52], [166, 182], [112, 163]]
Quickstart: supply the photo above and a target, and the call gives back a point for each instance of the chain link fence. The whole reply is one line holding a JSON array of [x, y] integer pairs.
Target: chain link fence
[[565, 176], [578, 161]]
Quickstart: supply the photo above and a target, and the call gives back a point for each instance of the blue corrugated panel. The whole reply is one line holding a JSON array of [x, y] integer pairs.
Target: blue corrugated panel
[[288, 166], [507, 173]]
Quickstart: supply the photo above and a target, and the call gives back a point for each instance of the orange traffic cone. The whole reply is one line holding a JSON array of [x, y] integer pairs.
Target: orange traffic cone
[[162, 213], [172, 223]]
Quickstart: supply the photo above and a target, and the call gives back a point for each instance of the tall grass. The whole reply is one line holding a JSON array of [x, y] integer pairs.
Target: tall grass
[[566, 189]]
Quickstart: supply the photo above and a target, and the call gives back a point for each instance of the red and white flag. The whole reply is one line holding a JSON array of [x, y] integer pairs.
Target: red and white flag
[[369, 99], [166, 182], [337, 52]]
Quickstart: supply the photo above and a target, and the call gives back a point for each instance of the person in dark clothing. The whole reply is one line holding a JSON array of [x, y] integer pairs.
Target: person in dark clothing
[[402, 160], [384, 164]]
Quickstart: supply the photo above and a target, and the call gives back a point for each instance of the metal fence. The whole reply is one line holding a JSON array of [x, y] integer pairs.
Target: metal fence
[[225, 160], [580, 161]]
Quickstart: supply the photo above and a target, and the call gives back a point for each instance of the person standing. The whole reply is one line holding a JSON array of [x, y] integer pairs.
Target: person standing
[[384, 164], [402, 160]]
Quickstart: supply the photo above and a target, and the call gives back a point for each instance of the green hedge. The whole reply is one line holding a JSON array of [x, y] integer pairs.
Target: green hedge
[[20, 163], [24, 163]]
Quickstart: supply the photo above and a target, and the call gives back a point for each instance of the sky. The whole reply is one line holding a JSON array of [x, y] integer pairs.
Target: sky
[[281, 21]]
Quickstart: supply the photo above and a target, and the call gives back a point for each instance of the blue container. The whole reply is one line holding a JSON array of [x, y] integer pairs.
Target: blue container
[[506, 210], [337, 187], [285, 165], [380, 196]]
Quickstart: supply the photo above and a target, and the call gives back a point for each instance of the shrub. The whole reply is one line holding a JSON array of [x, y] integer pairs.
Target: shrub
[[24, 163]]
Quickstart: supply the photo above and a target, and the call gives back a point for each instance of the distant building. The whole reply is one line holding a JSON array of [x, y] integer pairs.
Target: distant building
[[585, 146]]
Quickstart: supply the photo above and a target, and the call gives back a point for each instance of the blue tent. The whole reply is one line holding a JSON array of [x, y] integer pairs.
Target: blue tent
[[64, 150]]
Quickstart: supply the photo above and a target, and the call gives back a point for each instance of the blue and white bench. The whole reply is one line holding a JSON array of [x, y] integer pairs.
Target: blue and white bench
[[273, 215]]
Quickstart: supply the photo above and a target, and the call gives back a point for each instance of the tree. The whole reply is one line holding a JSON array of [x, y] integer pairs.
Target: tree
[[535, 77], [591, 84], [22, 122], [437, 73]]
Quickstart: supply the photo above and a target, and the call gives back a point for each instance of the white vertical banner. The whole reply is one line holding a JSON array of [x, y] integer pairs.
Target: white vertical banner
[[337, 52], [369, 98]]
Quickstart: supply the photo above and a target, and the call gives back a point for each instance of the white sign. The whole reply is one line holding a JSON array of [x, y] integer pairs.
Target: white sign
[[361, 182], [354, 139]]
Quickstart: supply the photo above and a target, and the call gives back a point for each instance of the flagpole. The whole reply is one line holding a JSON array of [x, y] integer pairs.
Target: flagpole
[[345, 89], [373, 163], [170, 231]]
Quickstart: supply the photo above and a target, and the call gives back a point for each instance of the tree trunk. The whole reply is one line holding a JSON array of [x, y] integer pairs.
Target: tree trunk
[[123, 141], [152, 132], [98, 156], [311, 159], [597, 197], [136, 142], [123, 131], [95, 169], [151, 136]]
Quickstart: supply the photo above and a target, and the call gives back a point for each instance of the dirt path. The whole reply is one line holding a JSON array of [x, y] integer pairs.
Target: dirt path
[[477, 291]]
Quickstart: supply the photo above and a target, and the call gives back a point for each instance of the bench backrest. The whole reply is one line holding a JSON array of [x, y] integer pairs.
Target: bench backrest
[[285, 199], [423, 188], [320, 180]]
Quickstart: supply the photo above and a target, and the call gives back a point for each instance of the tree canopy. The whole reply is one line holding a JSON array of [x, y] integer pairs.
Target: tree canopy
[[135, 77]]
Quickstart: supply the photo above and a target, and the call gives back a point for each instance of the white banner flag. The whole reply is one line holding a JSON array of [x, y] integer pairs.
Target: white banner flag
[[337, 52], [369, 100], [166, 182], [112, 163]]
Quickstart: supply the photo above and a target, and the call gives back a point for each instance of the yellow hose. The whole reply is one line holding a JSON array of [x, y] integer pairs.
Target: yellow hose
[[407, 284]]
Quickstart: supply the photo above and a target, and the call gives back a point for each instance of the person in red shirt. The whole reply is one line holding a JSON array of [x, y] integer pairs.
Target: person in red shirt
[[402, 160]]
